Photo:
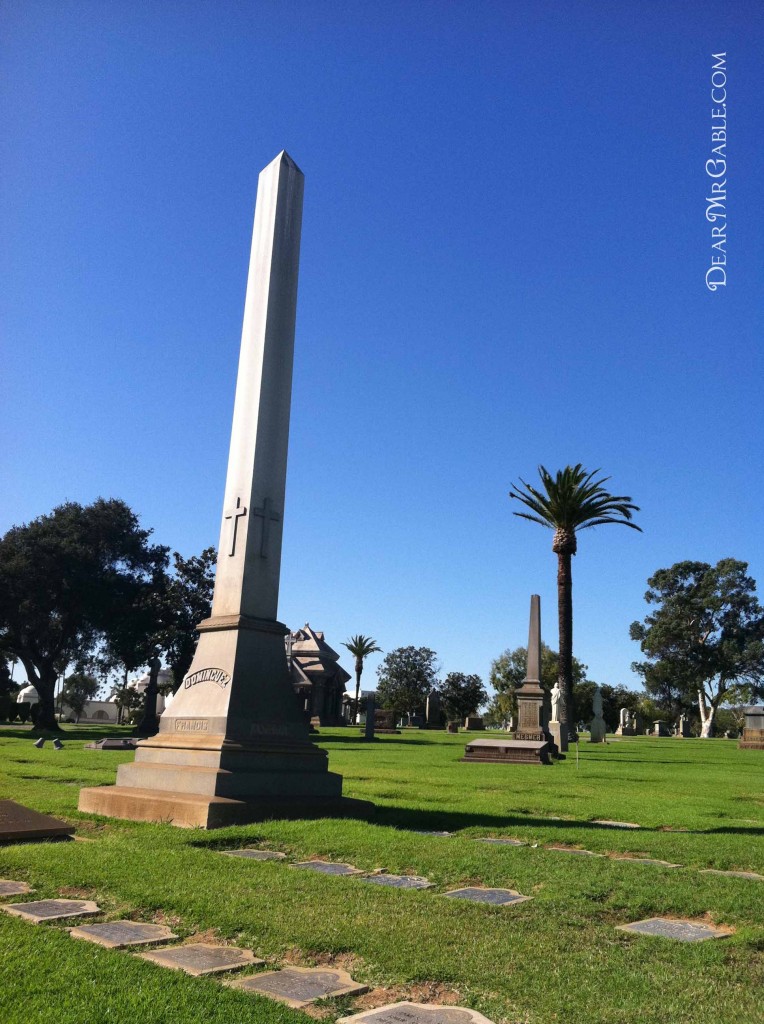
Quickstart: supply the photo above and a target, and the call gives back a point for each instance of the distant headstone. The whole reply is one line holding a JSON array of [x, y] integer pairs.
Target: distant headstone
[[452, 727], [398, 881], [474, 723], [753, 731], [384, 721], [625, 723], [434, 711], [19, 823], [255, 854], [668, 928], [11, 888], [326, 867], [496, 897], [597, 728], [51, 910], [299, 986], [201, 958], [121, 934], [660, 729], [370, 717], [531, 724], [638, 724], [416, 1013], [417, 721], [683, 728]]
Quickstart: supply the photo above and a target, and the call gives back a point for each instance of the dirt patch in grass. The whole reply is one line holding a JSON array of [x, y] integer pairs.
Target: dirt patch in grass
[[417, 992], [72, 892], [349, 962]]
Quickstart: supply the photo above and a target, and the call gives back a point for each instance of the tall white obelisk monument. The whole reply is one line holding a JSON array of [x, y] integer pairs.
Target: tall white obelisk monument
[[234, 744]]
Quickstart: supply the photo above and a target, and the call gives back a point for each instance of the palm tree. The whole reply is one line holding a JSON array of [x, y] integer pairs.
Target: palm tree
[[360, 647], [571, 501]]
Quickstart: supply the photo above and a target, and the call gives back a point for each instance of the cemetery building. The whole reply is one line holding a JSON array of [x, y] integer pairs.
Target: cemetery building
[[317, 677]]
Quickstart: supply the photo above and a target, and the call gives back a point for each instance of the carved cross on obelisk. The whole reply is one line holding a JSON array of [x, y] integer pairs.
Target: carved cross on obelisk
[[235, 514]]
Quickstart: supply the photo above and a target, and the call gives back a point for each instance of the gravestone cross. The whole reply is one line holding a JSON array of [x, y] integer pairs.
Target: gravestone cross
[[235, 514]]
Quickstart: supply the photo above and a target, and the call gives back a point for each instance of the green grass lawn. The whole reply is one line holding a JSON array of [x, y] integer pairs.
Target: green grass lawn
[[557, 957]]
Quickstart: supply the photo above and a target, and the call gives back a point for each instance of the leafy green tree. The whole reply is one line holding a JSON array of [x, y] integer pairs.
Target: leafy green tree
[[405, 678], [68, 582], [130, 704], [706, 635], [508, 672], [461, 695], [77, 690], [613, 699], [360, 647], [188, 601], [570, 502]]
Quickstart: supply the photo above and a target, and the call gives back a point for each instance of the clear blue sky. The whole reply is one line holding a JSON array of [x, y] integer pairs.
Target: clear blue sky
[[503, 259]]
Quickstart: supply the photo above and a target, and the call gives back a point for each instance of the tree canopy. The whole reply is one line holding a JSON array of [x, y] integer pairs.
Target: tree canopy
[[68, 582], [508, 672], [187, 601], [78, 689], [705, 636], [461, 695], [405, 678]]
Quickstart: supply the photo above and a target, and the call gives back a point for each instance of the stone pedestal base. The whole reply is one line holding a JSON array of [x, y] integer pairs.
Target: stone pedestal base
[[190, 810], [507, 752], [559, 733]]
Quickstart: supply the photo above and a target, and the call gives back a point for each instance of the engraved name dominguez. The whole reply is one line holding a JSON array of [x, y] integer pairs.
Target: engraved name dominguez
[[207, 675]]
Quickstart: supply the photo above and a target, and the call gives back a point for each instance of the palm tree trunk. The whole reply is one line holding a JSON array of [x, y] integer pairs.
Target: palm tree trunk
[[565, 626]]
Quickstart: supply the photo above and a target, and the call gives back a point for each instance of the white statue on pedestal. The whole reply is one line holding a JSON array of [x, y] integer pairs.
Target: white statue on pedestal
[[556, 698]]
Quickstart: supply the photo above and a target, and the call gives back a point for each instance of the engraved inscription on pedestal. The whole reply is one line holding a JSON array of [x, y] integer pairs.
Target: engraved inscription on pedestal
[[10, 888], [298, 986], [327, 867], [51, 910], [255, 854], [683, 931], [496, 897], [120, 934], [399, 881], [416, 1013], [201, 958]]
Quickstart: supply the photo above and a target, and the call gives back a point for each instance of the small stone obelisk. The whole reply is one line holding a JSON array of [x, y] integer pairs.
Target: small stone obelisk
[[530, 696], [234, 744]]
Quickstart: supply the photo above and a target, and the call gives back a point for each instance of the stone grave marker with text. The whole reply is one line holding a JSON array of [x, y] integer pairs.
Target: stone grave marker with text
[[255, 854], [121, 934], [298, 986], [326, 867], [10, 888], [416, 1013], [19, 823], [201, 958], [51, 910], [669, 928], [398, 881], [496, 897]]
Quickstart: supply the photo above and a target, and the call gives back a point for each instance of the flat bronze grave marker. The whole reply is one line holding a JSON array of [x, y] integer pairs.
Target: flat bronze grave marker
[[51, 910], [580, 853], [120, 934], [416, 1013], [501, 842], [398, 881], [201, 958], [668, 928], [255, 854], [649, 860], [298, 986], [750, 875], [19, 823], [496, 897], [327, 867], [11, 888]]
